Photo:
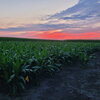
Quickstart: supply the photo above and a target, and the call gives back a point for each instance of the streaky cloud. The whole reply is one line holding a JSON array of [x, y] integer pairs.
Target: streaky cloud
[[84, 8]]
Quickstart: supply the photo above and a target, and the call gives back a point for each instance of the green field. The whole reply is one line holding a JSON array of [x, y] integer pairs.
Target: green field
[[24, 61]]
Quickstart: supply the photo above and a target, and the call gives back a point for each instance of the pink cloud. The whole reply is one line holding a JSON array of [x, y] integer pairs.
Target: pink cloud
[[53, 34]]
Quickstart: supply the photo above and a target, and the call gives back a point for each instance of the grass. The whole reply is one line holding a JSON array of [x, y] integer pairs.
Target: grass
[[23, 61]]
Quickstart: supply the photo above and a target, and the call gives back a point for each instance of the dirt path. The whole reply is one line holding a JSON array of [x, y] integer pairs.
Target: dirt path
[[69, 84]]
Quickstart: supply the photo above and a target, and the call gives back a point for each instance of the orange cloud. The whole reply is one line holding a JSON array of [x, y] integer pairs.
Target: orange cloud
[[53, 35], [58, 35]]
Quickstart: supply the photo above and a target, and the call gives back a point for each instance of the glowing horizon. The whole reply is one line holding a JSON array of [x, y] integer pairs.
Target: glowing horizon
[[54, 35]]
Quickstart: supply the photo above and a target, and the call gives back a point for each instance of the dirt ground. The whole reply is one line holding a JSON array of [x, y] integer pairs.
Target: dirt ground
[[71, 83]]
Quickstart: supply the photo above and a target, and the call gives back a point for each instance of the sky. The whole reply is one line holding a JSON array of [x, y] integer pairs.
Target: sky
[[50, 19]]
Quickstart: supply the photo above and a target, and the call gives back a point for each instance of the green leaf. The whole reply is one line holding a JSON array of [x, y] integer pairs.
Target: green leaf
[[11, 78]]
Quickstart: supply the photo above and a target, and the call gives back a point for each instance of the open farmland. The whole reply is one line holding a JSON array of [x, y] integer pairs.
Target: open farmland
[[25, 62]]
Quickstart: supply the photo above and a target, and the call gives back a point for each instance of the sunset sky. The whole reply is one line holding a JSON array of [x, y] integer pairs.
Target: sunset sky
[[50, 19]]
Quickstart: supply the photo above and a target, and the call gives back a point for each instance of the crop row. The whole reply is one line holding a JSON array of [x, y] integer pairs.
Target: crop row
[[23, 63]]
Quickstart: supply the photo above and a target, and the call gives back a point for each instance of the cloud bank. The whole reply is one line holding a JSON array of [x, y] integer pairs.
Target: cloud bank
[[81, 21]]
